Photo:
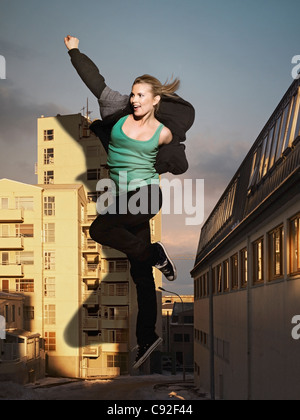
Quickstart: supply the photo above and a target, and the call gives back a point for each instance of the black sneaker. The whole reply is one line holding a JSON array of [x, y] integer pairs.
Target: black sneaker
[[165, 264], [145, 351]]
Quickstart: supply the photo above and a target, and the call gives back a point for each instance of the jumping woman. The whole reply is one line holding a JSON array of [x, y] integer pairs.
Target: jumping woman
[[142, 135]]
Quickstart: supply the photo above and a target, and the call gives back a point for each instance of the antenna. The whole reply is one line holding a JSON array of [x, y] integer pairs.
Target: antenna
[[86, 115]]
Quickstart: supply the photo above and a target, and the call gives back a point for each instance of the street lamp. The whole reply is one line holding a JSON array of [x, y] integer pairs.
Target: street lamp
[[183, 358]]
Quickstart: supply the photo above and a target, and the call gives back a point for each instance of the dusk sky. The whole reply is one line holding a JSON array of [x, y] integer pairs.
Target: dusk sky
[[233, 58]]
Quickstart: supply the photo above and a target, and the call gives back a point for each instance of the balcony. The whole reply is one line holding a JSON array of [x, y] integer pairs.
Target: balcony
[[93, 350], [112, 324], [90, 247], [91, 297], [11, 270], [11, 215], [102, 372], [91, 323], [114, 300], [12, 243], [91, 271]]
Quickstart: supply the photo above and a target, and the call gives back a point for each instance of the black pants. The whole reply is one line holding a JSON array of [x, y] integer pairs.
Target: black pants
[[130, 234]]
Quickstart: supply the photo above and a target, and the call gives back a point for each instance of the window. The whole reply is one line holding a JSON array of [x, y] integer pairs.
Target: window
[[118, 361], [49, 177], [49, 206], [268, 152], [289, 129], [116, 266], [28, 313], [116, 313], [219, 278], [276, 253], [50, 341], [258, 261], [49, 260], [116, 336], [283, 133], [50, 317], [93, 151], [49, 232], [214, 277], [25, 203], [27, 231], [115, 289], [255, 167], [25, 257], [48, 156], [5, 285], [5, 231], [5, 258], [48, 135], [7, 319], [295, 245], [234, 271], [49, 287], [93, 174], [226, 276], [244, 267], [178, 338], [25, 285], [93, 196], [4, 203], [275, 141]]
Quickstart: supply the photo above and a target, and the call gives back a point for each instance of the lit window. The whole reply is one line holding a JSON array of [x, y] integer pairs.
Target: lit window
[[50, 341], [235, 271], [295, 245], [244, 267], [258, 261], [276, 253], [50, 314]]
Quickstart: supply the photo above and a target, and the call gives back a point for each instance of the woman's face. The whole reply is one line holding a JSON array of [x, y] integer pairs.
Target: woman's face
[[142, 99]]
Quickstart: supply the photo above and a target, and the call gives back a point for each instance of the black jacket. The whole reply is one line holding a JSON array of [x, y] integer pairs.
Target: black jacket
[[174, 112]]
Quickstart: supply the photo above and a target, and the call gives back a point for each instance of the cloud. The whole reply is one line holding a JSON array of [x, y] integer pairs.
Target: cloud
[[18, 136], [214, 158], [12, 50]]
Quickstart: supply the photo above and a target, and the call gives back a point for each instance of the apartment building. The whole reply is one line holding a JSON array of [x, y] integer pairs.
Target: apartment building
[[99, 330], [247, 270]]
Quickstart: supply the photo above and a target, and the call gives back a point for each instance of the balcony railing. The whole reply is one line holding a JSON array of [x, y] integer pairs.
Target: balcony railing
[[89, 245], [91, 297], [88, 372], [11, 215], [11, 270], [91, 271], [11, 243], [91, 323]]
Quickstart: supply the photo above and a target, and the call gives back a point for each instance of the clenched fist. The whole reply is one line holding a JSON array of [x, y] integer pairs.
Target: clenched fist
[[71, 42]]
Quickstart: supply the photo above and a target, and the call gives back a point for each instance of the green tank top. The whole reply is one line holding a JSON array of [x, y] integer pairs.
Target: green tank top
[[131, 162]]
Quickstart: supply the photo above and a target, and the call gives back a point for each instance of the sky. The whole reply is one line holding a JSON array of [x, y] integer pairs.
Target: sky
[[234, 59]]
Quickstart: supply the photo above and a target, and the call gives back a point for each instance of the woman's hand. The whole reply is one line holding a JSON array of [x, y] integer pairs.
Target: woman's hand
[[71, 42]]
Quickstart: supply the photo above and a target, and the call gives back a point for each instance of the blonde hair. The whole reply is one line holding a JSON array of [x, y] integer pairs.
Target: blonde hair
[[159, 89]]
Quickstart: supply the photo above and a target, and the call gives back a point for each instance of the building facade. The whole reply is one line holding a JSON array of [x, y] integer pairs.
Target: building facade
[[247, 270], [102, 328]]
